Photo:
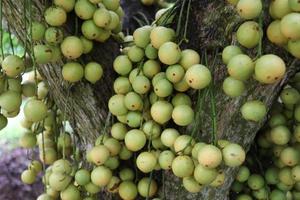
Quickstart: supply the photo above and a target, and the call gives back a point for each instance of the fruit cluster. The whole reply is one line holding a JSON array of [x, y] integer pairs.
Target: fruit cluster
[[284, 31], [278, 145]]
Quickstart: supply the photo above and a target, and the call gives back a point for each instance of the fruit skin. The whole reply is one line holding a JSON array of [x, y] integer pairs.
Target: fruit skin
[[13, 65], [100, 176], [249, 34], [189, 58], [249, 9], [240, 67], [191, 185], [233, 87], [128, 190], [10, 101], [204, 175], [55, 16], [35, 110], [161, 111], [280, 135], [160, 35], [183, 166], [254, 111], [101, 17], [72, 47], [84, 9], [135, 140], [233, 155], [66, 5], [275, 35], [38, 31], [198, 76], [229, 52], [82, 177], [294, 48], [255, 182], [146, 162], [279, 8], [169, 53], [294, 5], [269, 69], [71, 192], [147, 187], [210, 156], [28, 177], [290, 26], [93, 72], [165, 159], [122, 65], [183, 115], [141, 38], [72, 72]]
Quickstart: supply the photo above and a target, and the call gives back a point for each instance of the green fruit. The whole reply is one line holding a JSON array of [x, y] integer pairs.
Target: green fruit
[[113, 146], [254, 111], [114, 21], [92, 188], [279, 8], [141, 84], [210, 156], [28, 177], [112, 163], [161, 111], [296, 113], [133, 101], [28, 140], [189, 58], [181, 99], [269, 69], [71, 192], [90, 30], [197, 147], [54, 35], [28, 89], [280, 135], [296, 173], [243, 174], [147, 187], [175, 73], [134, 119], [59, 181], [165, 159], [256, 182], [277, 120], [151, 52], [277, 195], [297, 133], [117, 106], [233, 155], [118, 131], [128, 190], [151, 68], [122, 65], [249, 34], [290, 156], [43, 54], [249, 9], [290, 96], [93, 72], [66, 5], [84, 9], [135, 54], [13, 65], [122, 85], [87, 45], [72, 72], [169, 136], [103, 36], [158, 145], [285, 176], [99, 154], [184, 144], [229, 52], [183, 115], [135, 140], [82, 177], [183, 166], [275, 35], [44, 197], [163, 88], [219, 180], [111, 4], [10, 101], [141, 36], [198, 76], [56, 53], [14, 85], [290, 26], [100, 176], [151, 129], [237, 187], [35, 110], [101, 17], [49, 156], [55, 16], [161, 35], [37, 31], [294, 48], [72, 47], [169, 53], [125, 154], [191, 185], [233, 87], [205, 176], [240, 67], [262, 193], [271, 176], [113, 185], [294, 5], [126, 174], [146, 162]]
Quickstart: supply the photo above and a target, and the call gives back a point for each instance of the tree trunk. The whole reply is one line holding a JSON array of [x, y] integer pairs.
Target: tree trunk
[[211, 27]]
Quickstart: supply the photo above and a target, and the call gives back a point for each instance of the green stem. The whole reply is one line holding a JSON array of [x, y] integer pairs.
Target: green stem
[[104, 132], [10, 39]]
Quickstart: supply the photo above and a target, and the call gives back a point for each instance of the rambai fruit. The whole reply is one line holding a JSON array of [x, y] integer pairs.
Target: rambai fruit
[[249, 9], [128, 190], [135, 140], [254, 111], [198, 76], [13, 65], [82, 177], [249, 34], [191, 185], [35, 110], [233, 155], [71, 192], [165, 159], [275, 35], [183, 115], [183, 166], [84, 9], [161, 111], [210, 156], [205, 176], [146, 162], [93, 72], [229, 52], [160, 35], [169, 53], [240, 67], [72, 72], [269, 69], [72, 47], [122, 65], [99, 154], [168, 136], [175, 73], [28, 176], [116, 105], [10, 101], [101, 176], [141, 37], [290, 26], [55, 16], [233, 87], [147, 187], [189, 58], [37, 31], [101, 17], [66, 5], [43, 54]]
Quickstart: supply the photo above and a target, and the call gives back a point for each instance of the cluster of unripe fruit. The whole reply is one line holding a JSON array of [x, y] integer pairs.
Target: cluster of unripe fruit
[[99, 20], [278, 151]]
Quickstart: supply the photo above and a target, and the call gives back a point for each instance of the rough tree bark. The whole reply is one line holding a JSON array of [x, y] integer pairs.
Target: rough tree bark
[[211, 26]]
